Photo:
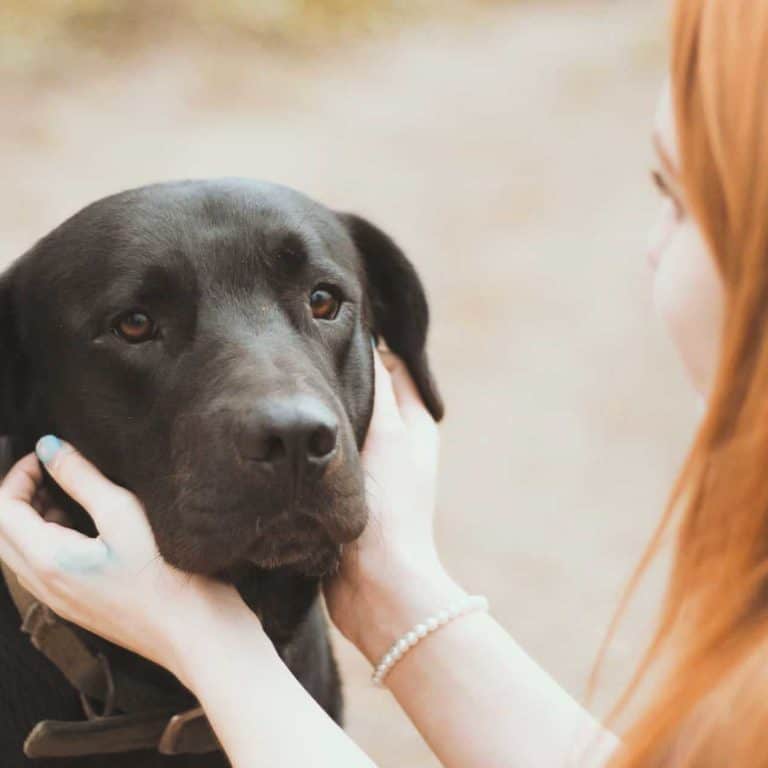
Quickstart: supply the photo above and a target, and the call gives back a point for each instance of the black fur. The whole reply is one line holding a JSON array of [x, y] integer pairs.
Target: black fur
[[225, 269]]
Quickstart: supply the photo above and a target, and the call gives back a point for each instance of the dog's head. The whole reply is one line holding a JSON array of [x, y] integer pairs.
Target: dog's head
[[208, 346]]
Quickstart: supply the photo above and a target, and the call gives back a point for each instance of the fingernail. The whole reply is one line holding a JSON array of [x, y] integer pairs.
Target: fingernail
[[47, 447]]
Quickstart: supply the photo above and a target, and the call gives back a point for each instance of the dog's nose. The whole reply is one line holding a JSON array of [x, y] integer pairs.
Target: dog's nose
[[297, 434]]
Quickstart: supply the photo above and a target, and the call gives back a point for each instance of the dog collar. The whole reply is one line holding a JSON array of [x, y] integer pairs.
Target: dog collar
[[132, 714]]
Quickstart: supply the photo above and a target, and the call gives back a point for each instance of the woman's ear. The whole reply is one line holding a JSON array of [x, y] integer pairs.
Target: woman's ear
[[398, 303]]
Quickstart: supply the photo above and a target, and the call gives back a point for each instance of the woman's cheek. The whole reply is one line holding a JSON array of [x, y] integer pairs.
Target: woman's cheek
[[688, 295]]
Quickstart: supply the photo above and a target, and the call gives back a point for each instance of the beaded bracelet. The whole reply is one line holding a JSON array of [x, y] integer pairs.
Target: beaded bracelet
[[420, 631]]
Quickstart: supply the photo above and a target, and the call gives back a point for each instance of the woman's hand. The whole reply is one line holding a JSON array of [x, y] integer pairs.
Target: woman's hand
[[118, 586], [115, 585], [392, 577]]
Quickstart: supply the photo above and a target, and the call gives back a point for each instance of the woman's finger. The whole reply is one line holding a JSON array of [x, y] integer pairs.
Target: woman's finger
[[81, 480], [407, 396], [26, 573], [385, 406], [19, 522], [36, 549], [32, 536], [23, 480], [28, 543], [54, 568], [21, 527]]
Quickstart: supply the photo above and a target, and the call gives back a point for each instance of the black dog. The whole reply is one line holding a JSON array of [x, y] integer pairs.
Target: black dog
[[208, 346]]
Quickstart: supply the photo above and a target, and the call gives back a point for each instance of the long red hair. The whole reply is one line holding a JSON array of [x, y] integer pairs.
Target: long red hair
[[710, 707]]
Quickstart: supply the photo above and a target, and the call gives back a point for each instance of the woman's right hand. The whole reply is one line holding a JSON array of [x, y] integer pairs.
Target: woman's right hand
[[392, 577]]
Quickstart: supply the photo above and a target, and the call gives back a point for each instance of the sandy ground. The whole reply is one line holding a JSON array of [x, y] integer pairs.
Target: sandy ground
[[509, 156]]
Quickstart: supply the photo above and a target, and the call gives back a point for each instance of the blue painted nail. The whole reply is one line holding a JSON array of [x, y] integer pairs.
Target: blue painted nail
[[47, 447]]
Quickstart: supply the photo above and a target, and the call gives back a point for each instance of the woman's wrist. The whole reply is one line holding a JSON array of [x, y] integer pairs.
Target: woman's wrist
[[219, 623], [392, 600]]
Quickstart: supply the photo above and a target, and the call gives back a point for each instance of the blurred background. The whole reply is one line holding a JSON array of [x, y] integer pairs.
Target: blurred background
[[505, 145]]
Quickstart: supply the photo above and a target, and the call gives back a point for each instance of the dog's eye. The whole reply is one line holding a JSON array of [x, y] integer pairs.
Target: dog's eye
[[135, 327], [325, 304]]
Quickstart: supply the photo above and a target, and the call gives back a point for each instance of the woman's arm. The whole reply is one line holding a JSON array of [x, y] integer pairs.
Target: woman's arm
[[259, 711], [201, 630], [473, 693], [476, 697]]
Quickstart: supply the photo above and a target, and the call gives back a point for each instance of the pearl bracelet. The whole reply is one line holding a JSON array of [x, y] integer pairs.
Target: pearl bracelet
[[468, 605]]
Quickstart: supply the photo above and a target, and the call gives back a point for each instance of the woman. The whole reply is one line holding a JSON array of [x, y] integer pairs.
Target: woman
[[472, 692]]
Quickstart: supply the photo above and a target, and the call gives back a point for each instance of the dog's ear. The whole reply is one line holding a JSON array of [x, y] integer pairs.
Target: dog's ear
[[399, 304]]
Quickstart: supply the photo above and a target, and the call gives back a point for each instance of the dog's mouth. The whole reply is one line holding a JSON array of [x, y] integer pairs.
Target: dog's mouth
[[306, 541], [309, 550], [309, 562], [312, 561]]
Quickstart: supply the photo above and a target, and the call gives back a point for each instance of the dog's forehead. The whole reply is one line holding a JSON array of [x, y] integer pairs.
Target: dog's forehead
[[220, 228], [222, 222]]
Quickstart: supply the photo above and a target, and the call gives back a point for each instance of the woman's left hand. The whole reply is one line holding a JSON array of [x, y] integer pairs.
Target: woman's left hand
[[116, 585]]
